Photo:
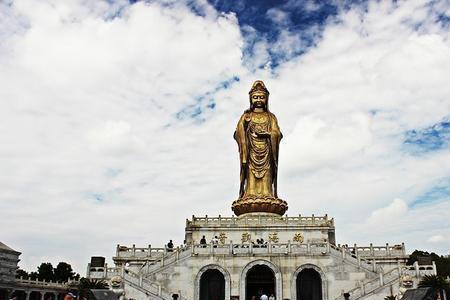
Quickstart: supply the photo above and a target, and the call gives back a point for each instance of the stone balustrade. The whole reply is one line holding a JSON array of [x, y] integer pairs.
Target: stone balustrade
[[260, 220], [378, 251], [316, 248], [135, 252], [369, 286], [102, 272], [45, 284]]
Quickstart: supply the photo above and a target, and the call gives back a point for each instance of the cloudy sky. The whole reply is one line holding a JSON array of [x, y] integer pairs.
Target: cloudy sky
[[117, 118]]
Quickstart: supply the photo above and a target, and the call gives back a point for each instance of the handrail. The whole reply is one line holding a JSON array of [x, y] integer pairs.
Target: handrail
[[256, 220], [44, 283]]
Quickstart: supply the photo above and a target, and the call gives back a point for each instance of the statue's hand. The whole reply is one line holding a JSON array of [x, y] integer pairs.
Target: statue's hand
[[263, 134]]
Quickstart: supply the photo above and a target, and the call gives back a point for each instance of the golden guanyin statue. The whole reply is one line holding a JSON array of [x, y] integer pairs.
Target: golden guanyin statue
[[258, 137]]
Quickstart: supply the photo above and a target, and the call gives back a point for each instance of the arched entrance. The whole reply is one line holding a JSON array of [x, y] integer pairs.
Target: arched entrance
[[212, 285], [309, 285], [260, 279]]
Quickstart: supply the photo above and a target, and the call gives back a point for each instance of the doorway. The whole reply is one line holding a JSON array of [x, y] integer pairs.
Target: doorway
[[260, 279], [212, 285], [309, 285]]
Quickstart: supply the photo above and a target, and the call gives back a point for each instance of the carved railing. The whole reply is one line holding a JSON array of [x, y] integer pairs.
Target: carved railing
[[354, 259], [136, 253], [369, 286], [261, 220], [379, 251], [146, 285], [46, 284], [102, 272]]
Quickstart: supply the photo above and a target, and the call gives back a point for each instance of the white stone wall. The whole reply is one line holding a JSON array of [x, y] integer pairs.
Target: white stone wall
[[184, 276]]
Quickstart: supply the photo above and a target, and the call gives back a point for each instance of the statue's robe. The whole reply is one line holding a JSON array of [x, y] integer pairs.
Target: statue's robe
[[258, 155]]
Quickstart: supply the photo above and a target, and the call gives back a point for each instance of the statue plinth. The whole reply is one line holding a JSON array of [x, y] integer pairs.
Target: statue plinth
[[259, 204]]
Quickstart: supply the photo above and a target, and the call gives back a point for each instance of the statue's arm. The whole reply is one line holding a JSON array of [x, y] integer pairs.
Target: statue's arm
[[239, 136], [275, 137]]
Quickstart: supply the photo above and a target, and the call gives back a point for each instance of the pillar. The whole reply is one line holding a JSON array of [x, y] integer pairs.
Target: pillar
[[42, 295]]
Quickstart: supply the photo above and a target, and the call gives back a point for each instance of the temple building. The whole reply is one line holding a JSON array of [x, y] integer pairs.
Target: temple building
[[260, 250]]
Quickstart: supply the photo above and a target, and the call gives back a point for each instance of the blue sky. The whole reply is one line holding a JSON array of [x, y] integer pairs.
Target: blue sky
[[117, 118]]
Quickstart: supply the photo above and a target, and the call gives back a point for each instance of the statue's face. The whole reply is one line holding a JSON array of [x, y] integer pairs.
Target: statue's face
[[258, 99]]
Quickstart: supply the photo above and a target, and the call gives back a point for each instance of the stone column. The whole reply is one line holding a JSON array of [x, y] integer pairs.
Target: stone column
[[27, 295], [42, 295]]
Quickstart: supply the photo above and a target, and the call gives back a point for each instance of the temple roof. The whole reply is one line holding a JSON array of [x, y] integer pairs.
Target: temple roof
[[5, 247]]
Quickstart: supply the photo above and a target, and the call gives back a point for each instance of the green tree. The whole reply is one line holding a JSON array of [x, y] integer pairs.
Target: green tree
[[33, 276], [436, 282], [63, 272], [86, 284], [22, 273], [442, 263], [45, 272]]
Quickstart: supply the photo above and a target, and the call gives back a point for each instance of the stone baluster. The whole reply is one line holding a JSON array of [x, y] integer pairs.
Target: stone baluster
[[403, 249], [313, 219], [117, 250], [372, 253], [416, 267], [206, 219], [220, 220], [149, 254], [134, 250], [42, 295], [55, 295], [388, 250]]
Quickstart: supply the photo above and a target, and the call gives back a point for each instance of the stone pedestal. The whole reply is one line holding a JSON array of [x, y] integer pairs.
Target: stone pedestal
[[261, 204]]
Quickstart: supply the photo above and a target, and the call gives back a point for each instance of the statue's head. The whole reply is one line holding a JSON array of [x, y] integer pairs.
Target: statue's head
[[259, 96]]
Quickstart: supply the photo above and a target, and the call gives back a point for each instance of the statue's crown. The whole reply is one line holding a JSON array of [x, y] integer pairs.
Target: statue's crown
[[258, 86]]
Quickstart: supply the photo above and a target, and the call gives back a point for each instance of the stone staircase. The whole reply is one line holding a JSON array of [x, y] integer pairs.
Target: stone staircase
[[171, 258], [150, 289], [371, 286], [355, 260]]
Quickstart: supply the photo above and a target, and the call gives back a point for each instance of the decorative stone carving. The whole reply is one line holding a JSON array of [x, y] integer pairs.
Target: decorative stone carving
[[273, 237], [246, 237], [222, 237], [116, 282], [298, 237]]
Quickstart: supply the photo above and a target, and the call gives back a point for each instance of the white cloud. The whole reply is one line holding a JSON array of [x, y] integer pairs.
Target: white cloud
[[92, 153], [387, 215]]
